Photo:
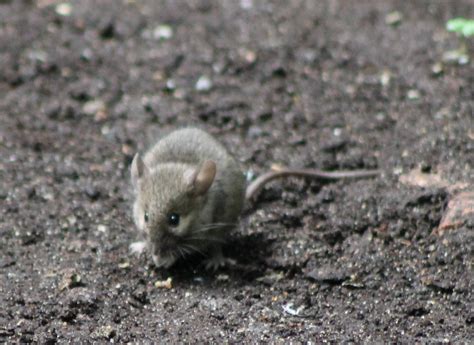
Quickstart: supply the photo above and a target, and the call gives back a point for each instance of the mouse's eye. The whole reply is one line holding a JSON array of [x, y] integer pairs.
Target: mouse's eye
[[173, 219], [145, 217]]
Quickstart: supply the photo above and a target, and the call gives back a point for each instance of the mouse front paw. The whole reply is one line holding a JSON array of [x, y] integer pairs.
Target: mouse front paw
[[217, 261], [137, 248]]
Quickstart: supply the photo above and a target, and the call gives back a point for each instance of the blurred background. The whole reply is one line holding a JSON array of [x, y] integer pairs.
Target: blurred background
[[335, 85]]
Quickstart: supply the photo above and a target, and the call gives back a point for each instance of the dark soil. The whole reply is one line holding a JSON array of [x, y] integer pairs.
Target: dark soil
[[325, 84]]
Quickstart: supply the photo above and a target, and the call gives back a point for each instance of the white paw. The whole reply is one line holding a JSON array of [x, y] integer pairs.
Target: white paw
[[137, 248], [216, 262]]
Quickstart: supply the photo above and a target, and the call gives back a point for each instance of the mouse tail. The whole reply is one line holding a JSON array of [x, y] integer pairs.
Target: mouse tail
[[256, 186]]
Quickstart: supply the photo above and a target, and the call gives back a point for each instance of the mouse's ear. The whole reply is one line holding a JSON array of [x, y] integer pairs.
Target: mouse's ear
[[200, 179], [138, 169]]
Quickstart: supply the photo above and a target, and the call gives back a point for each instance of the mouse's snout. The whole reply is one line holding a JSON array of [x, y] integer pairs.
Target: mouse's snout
[[162, 250], [163, 243], [163, 260]]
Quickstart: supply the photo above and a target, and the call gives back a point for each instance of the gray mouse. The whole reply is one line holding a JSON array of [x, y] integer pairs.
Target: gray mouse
[[189, 194]]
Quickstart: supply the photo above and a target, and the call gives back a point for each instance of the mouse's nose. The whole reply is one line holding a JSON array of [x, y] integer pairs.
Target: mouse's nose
[[166, 243], [163, 244], [163, 261]]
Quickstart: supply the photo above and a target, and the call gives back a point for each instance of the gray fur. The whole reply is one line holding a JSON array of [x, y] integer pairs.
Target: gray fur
[[162, 187]]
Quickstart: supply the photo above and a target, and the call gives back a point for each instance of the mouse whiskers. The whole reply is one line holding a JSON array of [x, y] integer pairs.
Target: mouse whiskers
[[181, 252], [189, 248], [214, 226], [207, 237]]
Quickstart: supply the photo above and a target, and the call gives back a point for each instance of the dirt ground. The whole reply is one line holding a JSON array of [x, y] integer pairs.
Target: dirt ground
[[327, 84]]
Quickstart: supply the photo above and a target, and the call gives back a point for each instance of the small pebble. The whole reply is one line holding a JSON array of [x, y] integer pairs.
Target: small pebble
[[163, 32], [413, 94], [254, 132], [288, 308], [124, 264], [397, 170], [437, 69], [394, 18], [385, 78], [380, 117], [203, 84], [127, 150], [64, 9], [222, 277], [93, 193], [167, 284], [93, 107], [249, 175], [38, 55], [106, 332], [70, 280], [71, 220], [248, 55], [354, 283], [87, 54], [102, 228], [170, 85]]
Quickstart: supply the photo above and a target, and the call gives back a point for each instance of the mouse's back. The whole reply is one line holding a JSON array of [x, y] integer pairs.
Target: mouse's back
[[187, 145]]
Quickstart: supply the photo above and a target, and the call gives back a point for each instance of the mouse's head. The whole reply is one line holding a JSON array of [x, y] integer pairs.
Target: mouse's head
[[169, 205]]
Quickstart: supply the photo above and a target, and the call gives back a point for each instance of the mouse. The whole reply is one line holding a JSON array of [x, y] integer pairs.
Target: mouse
[[190, 191]]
